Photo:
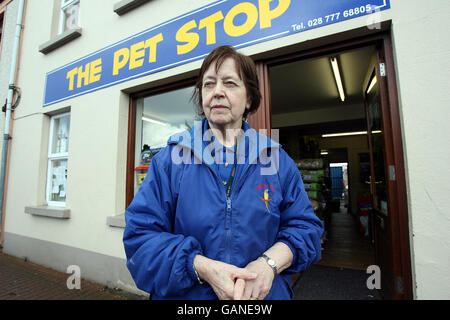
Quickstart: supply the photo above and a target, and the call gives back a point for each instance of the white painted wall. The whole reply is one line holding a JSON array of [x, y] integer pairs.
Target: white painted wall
[[422, 52], [97, 151]]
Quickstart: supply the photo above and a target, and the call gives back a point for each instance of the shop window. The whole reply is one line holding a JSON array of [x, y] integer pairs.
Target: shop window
[[57, 160], [157, 118], [69, 16]]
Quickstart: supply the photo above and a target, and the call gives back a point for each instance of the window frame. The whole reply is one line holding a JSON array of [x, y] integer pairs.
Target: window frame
[[62, 17], [53, 157]]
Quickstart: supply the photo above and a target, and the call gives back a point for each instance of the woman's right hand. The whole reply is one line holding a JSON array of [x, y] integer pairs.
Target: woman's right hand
[[221, 276]]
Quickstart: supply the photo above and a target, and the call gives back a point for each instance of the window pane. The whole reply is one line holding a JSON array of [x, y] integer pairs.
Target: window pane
[[159, 117], [60, 139], [166, 114], [71, 16], [58, 171]]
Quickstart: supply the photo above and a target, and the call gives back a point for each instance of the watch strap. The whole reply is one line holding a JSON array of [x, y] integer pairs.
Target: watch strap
[[273, 266], [198, 277]]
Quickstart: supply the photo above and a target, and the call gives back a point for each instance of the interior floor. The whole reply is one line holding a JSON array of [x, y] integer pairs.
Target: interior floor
[[346, 247]]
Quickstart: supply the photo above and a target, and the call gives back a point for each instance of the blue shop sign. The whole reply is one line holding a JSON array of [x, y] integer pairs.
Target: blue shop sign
[[193, 35]]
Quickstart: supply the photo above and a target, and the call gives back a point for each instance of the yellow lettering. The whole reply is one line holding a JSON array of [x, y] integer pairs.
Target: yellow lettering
[[96, 70], [252, 17], [121, 57], [152, 44], [191, 38], [83, 75], [71, 76], [136, 55], [210, 24], [266, 15]]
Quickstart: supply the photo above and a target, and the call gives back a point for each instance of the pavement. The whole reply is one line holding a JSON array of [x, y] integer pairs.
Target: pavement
[[23, 280]]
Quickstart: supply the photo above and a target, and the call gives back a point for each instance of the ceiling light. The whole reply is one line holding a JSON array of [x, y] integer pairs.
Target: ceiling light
[[154, 121], [343, 134], [372, 84], [337, 77]]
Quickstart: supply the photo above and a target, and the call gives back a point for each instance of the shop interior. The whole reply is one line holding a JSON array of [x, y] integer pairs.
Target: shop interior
[[322, 126]]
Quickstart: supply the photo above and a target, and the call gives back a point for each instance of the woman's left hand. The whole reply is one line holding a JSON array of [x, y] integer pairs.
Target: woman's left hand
[[258, 288]]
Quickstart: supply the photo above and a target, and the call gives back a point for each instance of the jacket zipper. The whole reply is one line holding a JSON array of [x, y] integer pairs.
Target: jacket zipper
[[227, 217], [228, 228], [228, 211]]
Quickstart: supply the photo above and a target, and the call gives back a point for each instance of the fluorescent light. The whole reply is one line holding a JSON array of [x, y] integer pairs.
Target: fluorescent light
[[324, 153], [154, 121], [343, 134], [337, 77], [330, 135], [372, 84]]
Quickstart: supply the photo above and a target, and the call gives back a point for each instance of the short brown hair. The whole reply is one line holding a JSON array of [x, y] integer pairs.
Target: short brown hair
[[247, 72]]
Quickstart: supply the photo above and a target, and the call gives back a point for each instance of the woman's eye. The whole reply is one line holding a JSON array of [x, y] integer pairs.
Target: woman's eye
[[208, 84], [230, 83]]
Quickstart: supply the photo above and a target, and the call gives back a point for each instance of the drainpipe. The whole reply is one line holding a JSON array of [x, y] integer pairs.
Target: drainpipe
[[6, 136]]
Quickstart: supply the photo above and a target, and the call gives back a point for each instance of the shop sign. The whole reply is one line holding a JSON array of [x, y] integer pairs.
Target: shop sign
[[193, 35]]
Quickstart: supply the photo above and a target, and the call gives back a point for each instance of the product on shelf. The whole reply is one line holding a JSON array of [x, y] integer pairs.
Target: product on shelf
[[314, 180], [310, 164], [312, 186]]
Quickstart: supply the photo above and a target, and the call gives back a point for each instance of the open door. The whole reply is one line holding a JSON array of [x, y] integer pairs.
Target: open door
[[383, 218], [379, 222]]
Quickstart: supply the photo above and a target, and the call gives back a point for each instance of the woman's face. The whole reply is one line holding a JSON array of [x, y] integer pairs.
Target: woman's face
[[224, 96]]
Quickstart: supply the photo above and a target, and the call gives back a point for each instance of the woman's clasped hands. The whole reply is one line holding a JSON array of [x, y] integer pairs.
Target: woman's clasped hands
[[232, 283]]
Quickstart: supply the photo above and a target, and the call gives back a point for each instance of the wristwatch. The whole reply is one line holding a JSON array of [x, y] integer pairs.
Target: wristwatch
[[271, 264]]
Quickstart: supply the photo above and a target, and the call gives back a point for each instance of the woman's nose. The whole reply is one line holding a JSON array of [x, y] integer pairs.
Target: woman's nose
[[219, 89]]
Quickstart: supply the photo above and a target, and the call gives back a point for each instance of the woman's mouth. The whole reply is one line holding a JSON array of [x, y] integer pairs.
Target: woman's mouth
[[219, 107]]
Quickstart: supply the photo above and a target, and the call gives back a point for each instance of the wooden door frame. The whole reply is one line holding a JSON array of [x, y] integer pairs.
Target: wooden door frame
[[398, 206], [388, 290], [262, 118]]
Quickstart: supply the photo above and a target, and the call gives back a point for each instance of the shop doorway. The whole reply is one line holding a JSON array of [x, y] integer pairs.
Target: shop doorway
[[333, 106], [324, 134]]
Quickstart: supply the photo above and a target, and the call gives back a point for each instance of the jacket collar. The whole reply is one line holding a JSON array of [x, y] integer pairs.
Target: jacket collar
[[251, 145]]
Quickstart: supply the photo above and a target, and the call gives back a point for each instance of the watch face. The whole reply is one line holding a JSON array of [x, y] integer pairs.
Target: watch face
[[271, 262]]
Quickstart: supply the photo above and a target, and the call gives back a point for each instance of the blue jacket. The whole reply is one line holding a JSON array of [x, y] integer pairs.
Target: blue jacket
[[182, 209]]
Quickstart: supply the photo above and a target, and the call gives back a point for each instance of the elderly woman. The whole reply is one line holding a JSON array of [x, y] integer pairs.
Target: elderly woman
[[230, 225]]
